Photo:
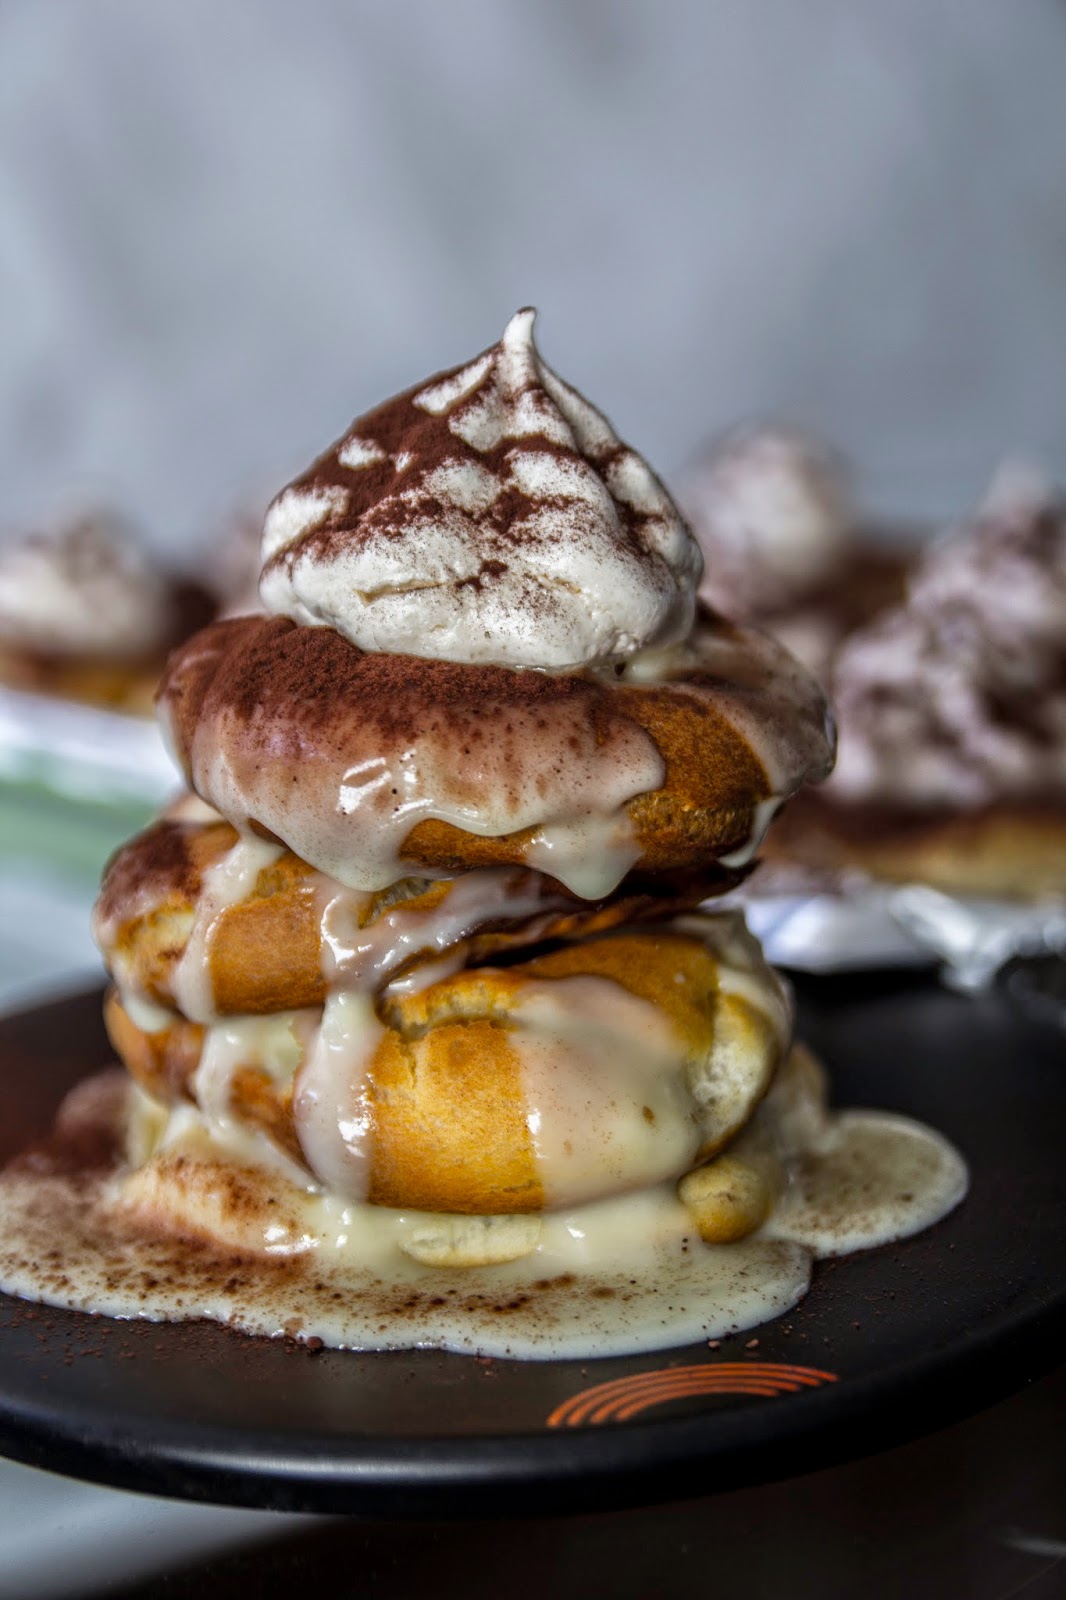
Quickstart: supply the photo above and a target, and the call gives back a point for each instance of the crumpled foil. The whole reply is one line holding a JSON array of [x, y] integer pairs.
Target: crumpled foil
[[976, 939], [814, 924]]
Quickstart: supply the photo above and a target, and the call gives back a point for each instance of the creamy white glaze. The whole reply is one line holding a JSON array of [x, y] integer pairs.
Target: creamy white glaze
[[229, 882], [144, 1014], [762, 691], [273, 1045], [377, 799], [608, 1107], [365, 957], [332, 1107], [189, 807], [763, 813], [539, 768], [614, 1098], [621, 1276], [871, 1177], [590, 854]]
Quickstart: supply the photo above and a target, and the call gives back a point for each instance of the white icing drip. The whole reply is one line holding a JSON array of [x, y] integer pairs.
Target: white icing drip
[[427, 973], [272, 1044], [359, 838], [365, 957], [144, 1014], [331, 1103], [607, 1105], [228, 882], [590, 854], [185, 1128], [764, 813], [190, 808]]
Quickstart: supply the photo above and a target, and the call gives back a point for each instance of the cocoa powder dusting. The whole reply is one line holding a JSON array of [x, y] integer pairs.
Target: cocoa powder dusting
[[155, 863], [391, 497], [285, 679]]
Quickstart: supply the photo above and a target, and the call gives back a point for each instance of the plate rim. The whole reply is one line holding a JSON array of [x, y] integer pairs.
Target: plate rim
[[420, 1475]]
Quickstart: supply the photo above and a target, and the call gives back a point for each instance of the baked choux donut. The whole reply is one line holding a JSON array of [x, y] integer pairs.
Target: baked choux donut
[[166, 906], [593, 1069], [368, 766]]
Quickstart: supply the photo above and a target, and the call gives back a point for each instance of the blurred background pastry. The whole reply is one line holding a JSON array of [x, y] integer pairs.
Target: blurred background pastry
[[783, 540], [88, 614], [952, 715]]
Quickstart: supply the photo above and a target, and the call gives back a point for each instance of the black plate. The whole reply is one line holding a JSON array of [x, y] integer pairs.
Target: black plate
[[890, 1344]]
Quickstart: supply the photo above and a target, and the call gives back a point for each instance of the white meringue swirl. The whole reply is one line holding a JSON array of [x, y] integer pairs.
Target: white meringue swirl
[[490, 515]]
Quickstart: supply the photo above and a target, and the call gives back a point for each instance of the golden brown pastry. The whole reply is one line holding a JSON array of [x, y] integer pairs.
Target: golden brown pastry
[[271, 951], [636, 1054], [271, 721]]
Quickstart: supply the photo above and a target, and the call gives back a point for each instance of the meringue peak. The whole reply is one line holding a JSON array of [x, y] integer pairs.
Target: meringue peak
[[489, 514]]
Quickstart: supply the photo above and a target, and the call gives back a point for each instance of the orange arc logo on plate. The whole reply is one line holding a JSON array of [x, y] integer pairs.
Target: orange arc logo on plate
[[626, 1397]]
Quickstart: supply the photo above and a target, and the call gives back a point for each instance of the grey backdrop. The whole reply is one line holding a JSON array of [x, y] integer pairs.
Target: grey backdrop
[[226, 226]]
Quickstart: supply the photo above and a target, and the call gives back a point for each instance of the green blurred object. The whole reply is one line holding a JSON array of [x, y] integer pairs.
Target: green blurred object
[[70, 836], [75, 781]]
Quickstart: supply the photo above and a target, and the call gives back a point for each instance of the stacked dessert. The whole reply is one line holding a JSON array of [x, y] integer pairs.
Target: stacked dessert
[[436, 937], [86, 615], [415, 979], [952, 709]]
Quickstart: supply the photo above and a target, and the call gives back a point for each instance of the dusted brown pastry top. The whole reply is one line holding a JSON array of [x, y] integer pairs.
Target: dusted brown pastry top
[[368, 765]]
